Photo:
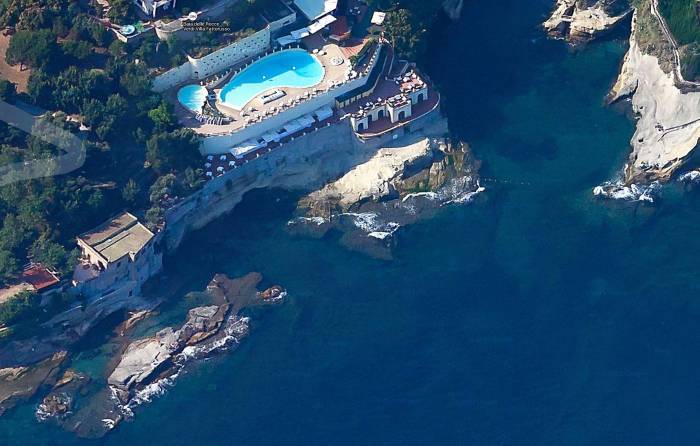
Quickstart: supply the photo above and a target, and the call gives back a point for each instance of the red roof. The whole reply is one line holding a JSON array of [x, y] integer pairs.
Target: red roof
[[39, 277]]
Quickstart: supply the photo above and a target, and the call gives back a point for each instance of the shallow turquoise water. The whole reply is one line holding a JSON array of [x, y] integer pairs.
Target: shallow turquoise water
[[537, 315], [192, 97], [290, 68]]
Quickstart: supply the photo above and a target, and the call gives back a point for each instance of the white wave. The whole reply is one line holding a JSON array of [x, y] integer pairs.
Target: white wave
[[692, 176], [465, 197], [428, 195], [366, 221], [633, 192], [318, 221], [388, 231], [43, 413], [236, 328], [151, 391]]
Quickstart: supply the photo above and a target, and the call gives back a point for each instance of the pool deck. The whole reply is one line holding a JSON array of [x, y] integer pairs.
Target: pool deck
[[255, 110]]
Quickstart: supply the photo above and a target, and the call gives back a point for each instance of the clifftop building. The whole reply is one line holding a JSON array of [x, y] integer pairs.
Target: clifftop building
[[120, 251]]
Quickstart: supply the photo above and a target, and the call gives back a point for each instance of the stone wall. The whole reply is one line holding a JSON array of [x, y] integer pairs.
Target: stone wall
[[219, 60], [218, 144], [306, 163]]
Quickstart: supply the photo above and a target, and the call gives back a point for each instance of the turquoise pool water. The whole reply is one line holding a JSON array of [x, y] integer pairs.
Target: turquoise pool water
[[290, 68], [192, 97]]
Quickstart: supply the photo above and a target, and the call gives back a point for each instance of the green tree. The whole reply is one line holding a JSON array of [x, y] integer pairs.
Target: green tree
[[169, 151], [38, 49], [131, 191], [9, 266], [163, 117], [77, 49], [20, 307], [49, 253], [8, 90], [405, 32], [135, 80]]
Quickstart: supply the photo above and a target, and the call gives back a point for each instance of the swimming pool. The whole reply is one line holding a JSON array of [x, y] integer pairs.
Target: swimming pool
[[289, 68], [192, 97]]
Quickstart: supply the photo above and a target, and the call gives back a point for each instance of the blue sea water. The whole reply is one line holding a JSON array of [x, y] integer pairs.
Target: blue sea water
[[537, 315], [290, 68]]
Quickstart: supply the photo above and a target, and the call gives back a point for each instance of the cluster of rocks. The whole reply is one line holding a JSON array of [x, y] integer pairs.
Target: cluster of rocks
[[394, 188], [146, 362], [579, 21]]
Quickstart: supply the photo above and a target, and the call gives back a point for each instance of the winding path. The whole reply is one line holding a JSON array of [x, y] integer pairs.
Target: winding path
[[676, 54]]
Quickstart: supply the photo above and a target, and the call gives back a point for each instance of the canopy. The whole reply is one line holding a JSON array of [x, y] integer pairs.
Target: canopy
[[314, 9], [324, 112]]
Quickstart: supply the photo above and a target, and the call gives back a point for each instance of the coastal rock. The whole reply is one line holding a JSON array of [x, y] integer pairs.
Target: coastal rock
[[579, 21], [668, 125], [206, 329], [373, 180], [394, 188], [143, 357], [21, 383]]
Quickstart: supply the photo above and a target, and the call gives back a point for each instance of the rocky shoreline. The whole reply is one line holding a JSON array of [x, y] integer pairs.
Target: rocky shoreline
[[667, 116], [580, 21], [142, 368], [396, 187]]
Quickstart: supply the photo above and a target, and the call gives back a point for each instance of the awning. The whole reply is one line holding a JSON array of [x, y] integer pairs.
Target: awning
[[324, 112], [269, 137], [321, 23], [244, 148], [314, 9], [287, 40], [306, 121]]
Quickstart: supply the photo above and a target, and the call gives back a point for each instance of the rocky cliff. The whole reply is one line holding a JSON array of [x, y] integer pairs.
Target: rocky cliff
[[579, 21], [668, 124]]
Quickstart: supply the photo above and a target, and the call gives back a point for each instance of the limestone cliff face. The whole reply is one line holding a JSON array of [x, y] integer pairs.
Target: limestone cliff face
[[668, 125], [305, 164], [579, 21]]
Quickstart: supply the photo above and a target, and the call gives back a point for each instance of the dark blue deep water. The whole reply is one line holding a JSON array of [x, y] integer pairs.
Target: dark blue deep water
[[537, 315]]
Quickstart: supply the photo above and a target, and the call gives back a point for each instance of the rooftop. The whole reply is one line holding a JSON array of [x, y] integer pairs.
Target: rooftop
[[35, 277], [118, 237], [314, 9]]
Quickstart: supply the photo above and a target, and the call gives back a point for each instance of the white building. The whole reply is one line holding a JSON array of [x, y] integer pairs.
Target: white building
[[151, 7], [395, 109], [119, 254], [314, 9]]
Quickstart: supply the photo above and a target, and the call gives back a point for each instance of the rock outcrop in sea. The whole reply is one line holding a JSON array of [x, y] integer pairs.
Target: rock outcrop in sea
[[144, 368], [668, 124], [580, 21], [394, 188], [666, 106]]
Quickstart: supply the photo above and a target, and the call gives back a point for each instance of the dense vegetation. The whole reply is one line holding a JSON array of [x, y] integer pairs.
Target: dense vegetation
[[80, 73], [407, 22], [683, 18]]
